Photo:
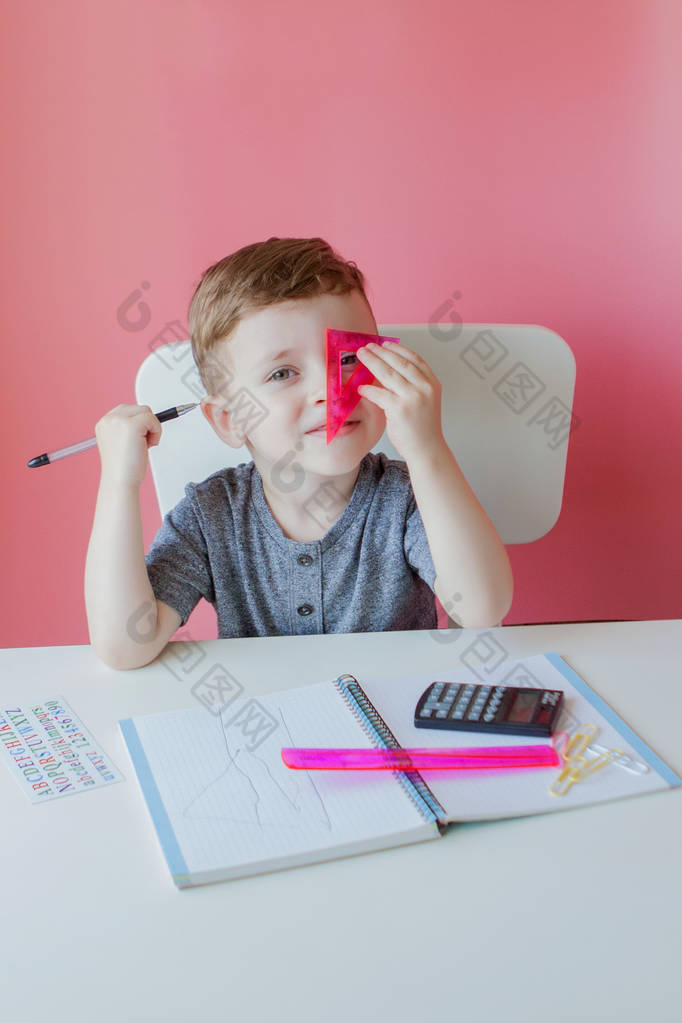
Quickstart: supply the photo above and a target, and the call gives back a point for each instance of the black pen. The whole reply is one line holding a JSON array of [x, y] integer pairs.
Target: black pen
[[53, 456]]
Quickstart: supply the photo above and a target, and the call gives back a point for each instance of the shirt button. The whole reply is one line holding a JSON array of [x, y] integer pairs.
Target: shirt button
[[305, 609], [305, 559]]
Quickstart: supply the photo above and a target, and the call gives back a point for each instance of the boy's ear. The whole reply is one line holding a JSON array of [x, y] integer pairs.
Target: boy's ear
[[216, 410]]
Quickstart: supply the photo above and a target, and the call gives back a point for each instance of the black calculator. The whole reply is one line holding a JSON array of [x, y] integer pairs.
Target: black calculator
[[506, 710]]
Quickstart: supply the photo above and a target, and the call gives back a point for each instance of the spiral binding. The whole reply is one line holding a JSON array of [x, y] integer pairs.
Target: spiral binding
[[374, 726]]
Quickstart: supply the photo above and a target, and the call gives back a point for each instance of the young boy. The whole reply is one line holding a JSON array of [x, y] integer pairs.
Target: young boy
[[308, 537]]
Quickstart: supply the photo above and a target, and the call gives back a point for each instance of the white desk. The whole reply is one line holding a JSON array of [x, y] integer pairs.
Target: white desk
[[565, 916]]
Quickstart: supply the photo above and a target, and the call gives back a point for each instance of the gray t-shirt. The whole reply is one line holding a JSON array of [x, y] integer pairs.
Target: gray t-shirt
[[371, 572]]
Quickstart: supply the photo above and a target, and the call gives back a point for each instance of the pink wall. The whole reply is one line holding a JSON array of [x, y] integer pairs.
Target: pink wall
[[522, 153]]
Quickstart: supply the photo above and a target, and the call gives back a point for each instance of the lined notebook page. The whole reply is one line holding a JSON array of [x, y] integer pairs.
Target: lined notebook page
[[478, 795], [226, 809]]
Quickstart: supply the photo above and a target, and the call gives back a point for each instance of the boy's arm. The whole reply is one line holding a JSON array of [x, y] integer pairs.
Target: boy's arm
[[468, 555], [128, 626], [472, 567]]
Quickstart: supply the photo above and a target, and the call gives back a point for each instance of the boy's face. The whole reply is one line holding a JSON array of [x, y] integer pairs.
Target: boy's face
[[291, 387]]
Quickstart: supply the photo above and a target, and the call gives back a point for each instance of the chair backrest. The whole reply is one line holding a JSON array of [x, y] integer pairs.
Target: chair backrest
[[506, 415]]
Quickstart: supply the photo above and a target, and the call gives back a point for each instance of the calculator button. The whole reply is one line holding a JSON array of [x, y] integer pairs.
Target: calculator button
[[474, 714], [437, 689], [425, 712], [441, 713], [458, 715]]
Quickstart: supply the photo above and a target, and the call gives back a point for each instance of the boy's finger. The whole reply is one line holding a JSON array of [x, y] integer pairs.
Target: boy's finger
[[380, 396], [394, 376], [394, 353]]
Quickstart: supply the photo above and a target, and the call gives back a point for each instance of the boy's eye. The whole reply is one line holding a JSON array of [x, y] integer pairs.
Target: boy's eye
[[273, 375]]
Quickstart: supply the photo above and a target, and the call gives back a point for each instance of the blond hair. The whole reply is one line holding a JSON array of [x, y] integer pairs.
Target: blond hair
[[255, 276]]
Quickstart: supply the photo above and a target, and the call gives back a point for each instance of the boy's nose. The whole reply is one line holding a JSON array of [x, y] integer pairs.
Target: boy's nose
[[318, 383]]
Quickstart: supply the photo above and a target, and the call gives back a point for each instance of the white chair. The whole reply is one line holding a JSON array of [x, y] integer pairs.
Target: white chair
[[506, 414]]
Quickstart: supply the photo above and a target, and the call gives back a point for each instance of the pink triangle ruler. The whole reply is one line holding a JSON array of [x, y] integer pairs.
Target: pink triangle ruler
[[341, 400]]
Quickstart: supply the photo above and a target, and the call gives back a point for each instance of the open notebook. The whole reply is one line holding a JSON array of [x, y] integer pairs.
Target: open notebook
[[225, 806]]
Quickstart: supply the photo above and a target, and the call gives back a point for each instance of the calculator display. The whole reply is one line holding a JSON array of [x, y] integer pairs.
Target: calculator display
[[523, 707]]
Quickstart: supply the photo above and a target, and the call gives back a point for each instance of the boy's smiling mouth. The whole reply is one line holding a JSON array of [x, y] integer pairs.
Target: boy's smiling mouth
[[345, 428]]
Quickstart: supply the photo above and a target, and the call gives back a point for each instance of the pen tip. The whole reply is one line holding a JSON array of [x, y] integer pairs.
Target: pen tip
[[39, 460]]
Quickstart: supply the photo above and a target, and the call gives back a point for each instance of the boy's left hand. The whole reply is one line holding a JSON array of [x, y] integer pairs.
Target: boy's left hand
[[410, 397]]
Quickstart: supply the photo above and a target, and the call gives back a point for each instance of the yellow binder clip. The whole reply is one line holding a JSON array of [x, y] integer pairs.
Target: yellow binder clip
[[577, 767]]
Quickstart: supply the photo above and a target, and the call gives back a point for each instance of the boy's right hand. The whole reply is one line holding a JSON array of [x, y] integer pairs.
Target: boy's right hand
[[123, 436]]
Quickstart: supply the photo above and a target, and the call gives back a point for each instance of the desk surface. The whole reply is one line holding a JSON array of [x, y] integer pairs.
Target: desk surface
[[566, 916]]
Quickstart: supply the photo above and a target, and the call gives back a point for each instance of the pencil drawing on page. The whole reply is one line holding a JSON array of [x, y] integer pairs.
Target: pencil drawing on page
[[256, 788]]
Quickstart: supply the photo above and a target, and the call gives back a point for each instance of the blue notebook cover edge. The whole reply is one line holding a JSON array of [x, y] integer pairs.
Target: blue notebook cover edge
[[615, 721], [164, 829]]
